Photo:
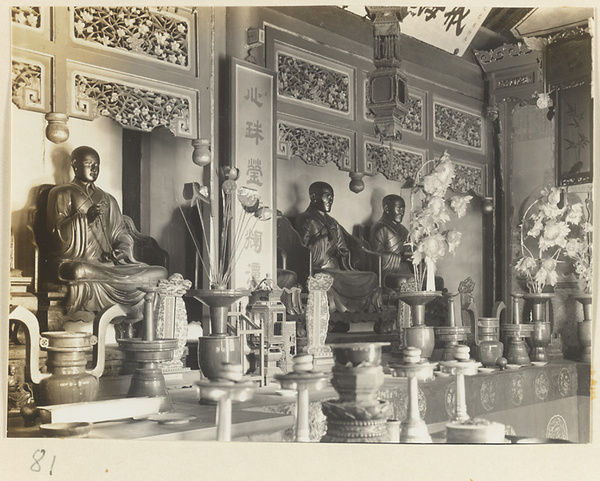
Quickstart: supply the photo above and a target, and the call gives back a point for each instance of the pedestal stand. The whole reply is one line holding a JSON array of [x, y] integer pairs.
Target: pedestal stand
[[516, 334], [542, 329], [584, 328], [147, 353], [302, 380], [419, 335], [461, 366], [451, 334], [358, 416], [224, 393], [413, 429], [317, 320]]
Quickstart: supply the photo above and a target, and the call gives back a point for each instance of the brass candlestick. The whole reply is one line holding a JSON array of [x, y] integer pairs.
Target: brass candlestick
[[148, 379], [516, 334], [451, 334]]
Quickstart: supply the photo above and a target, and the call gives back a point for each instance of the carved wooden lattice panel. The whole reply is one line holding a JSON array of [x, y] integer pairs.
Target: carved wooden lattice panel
[[457, 126], [153, 35], [30, 76], [140, 106], [468, 178], [313, 146], [29, 17], [393, 162]]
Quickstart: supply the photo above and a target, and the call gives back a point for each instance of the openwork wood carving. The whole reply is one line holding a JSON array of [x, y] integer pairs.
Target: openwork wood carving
[[309, 82], [394, 164], [457, 126], [30, 17], [132, 107], [412, 121], [27, 85], [468, 178], [314, 147], [155, 35]]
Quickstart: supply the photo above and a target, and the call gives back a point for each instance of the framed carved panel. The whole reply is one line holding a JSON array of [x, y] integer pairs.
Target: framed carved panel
[[315, 144], [457, 125], [134, 102], [154, 35], [314, 81], [31, 75], [470, 178], [31, 22], [574, 135], [396, 162]]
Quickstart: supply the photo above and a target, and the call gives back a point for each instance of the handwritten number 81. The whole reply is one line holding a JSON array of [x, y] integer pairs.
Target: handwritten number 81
[[38, 455]]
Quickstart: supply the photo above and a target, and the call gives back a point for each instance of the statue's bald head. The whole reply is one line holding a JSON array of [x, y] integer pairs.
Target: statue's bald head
[[321, 195], [393, 207], [86, 163]]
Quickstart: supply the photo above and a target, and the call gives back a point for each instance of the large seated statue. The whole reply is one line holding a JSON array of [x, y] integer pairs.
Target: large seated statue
[[388, 238], [89, 246], [352, 290]]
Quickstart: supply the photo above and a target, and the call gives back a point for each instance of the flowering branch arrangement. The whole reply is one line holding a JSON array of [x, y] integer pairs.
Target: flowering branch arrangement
[[427, 239], [230, 243], [549, 230]]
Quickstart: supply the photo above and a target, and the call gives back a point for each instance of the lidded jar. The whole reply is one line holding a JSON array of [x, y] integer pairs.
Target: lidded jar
[[489, 347]]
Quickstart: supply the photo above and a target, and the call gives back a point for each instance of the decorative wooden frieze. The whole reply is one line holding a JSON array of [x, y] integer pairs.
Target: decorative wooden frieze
[[515, 81], [468, 178], [31, 76], [501, 53], [394, 163], [136, 106], [313, 146], [314, 81], [27, 85], [152, 35], [457, 126], [29, 17]]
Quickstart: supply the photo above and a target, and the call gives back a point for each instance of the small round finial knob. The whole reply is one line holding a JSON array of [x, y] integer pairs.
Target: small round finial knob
[[201, 155], [357, 183], [57, 130]]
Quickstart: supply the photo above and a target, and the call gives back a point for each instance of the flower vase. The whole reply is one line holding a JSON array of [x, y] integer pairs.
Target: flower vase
[[542, 329], [218, 347], [584, 328], [419, 335]]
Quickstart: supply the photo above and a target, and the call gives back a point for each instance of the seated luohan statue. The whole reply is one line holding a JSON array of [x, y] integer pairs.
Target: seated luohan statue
[[352, 290], [388, 237], [90, 247]]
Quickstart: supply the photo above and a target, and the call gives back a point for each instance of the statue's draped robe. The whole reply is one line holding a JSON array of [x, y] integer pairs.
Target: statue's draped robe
[[388, 238], [353, 291], [78, 250]]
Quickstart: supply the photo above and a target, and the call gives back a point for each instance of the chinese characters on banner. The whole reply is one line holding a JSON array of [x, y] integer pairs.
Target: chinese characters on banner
[[253, 154], [448, 28]]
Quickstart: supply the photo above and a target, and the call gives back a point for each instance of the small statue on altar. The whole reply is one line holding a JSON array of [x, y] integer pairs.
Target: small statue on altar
[[352, 290], [388, 237], [90, 246]]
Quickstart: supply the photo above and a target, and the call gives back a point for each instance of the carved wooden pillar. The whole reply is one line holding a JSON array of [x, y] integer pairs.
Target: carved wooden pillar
[[317, 319]]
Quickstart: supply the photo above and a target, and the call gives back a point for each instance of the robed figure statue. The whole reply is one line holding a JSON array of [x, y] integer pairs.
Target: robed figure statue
[[388, 237], [352, 290], [90, 247]]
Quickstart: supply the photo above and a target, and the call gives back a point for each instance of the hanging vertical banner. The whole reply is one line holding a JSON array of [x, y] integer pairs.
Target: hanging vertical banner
[[253, 153], [448, 28]]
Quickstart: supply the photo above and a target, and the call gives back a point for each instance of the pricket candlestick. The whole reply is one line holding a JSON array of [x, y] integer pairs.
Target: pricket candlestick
[[303, 379], [413, 429], [462, 366], [148, 379], [451, 334], [227, 387], [516, 334]]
